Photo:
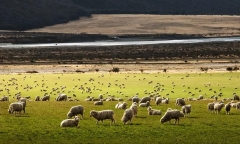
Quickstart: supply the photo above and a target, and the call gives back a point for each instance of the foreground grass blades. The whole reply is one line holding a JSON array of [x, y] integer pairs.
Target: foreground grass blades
[[41, 123]]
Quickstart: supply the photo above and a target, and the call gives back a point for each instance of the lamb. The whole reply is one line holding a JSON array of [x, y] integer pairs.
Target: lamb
[[186, 110], [70, 122], [158, 100], [145, 99], [98, 102], [153, 111], [127, 116], [228, 108], [102, 115], [171, 114], [75, 110], [218, 107], [134, 107], [24, 103], [121, 105], [37, 98], [61, 97], [180, 102], [15, 107], [45, 98], [144, 104]]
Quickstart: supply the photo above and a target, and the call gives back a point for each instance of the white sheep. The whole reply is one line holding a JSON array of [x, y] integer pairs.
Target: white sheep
[[218, 107], [61, 97], [4, 98], [127, 116], [75, 110], [136, 99], [171, 114], [186, 110], [180, 102], [228, 108], [134, 107], [210, 107], [37, 98], [24, 103], [45, 98], [121, 105], [153, 111], [144, 104], [98, 102], [237, 105], [15, 107], [165, 101], [70, 122], [102, 115]]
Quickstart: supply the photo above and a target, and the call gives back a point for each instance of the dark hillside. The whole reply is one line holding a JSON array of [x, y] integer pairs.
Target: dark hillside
[[28, 14], [192, 7]]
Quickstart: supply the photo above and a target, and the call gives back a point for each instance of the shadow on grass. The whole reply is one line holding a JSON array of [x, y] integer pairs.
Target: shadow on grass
[[140, 117]]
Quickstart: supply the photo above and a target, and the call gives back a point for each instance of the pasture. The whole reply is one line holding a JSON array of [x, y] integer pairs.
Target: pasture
[[41, 122]]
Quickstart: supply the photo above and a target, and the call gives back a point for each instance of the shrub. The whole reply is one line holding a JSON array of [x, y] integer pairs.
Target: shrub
[[97, 70], [33, 71], [165, 70], [141, 70], [115, 69], [235, 68], [229, 68]]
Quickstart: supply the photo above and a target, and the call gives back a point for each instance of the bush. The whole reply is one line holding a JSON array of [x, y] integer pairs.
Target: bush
[[115, 69], [235, 68], [229, 68], [33, 71]]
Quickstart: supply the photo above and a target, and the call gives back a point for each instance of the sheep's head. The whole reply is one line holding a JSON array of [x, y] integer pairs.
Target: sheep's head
[[149, 108], [76, 118], [93, 113]]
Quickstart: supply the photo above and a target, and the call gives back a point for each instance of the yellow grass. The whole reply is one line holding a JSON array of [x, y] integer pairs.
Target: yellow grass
[[150, 24]]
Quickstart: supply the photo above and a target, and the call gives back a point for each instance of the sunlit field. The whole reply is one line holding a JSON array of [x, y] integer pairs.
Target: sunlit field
[[41, 122]]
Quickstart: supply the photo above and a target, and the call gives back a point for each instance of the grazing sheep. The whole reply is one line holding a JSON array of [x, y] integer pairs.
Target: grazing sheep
[[233, 105], [165, 101], [228, 108], [102, 115], [180, 102], [37, 98], [98, 102], [100, 96], [127, 116], [200, 97], [218, 107], [61, 97], [121, 105], [45, 98], [153, 111], [70, 122], [75, 110], [171, 114], [134, 107], [144, 104], [145, 99], [158, 100], [15, 107], [4, 98], [236, 97], [186, 110], [237, 105], [136, 99]]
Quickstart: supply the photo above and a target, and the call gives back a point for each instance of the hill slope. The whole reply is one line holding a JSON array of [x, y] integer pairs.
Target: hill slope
[[28, 14]]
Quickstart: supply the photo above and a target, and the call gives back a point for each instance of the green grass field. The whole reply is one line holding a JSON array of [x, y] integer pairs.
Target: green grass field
[[41, 122]]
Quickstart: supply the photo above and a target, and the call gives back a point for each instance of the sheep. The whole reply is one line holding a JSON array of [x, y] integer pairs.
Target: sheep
[[100, 96], [121, 105], [37, 98], [228, 108], [98, 102], [171, 114], [45, 98], [15, 107], [145, 99], [237, 105], [75, 110], [233, 105], [200, 97], [61, 97], [4, 98], [158, 100], [236, 97], [218, 107], [186, 110], [127, 116], [134, 107], [70, 122], [180, 102], [144, 104], [165, 101], [153, 111], [24, 103], [102, 115], [135, 99]]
